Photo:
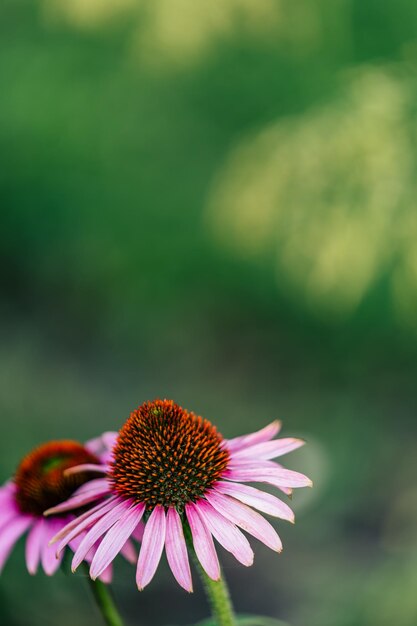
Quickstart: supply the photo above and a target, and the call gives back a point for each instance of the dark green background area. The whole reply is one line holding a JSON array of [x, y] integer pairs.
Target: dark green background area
[[115, 290]]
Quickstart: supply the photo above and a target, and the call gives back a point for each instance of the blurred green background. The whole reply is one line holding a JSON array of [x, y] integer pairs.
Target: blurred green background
[[215, 202]]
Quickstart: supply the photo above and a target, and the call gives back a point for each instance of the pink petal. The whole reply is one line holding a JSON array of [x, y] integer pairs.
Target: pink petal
[[76, 542], [138, 532], [260, 500], [76, 502], [97, 484], [203, 543], [269, 449], [10, 534], [129, 552], [80, 523], [98, 530], [34, 542], [176, 550], [110, 439], [246, 518], [8, 499], [265, 434], [86, 467], [50, 561], [7, 491], [152, 546], [115, 539], [251, 463], [226, 533], [107, 575], [103, 446], [274, 476], [8, 512], [105, 441], [95, 445]]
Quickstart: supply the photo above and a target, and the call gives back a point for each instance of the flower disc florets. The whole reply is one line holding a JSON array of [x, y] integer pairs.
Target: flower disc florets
[[40, 479], [166, 455]]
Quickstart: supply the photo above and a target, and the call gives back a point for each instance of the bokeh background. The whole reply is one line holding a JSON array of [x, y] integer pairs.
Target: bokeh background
[[216, 202]]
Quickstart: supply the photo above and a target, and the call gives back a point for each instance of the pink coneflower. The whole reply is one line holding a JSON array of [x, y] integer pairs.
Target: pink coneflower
[[39, 483], [173, 469]]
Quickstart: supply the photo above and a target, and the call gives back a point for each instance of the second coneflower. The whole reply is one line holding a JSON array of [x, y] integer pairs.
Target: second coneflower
[[40, 482], [172, 470]]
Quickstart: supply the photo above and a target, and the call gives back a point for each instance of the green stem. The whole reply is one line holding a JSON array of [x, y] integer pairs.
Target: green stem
[[105, 603], [216, 590]]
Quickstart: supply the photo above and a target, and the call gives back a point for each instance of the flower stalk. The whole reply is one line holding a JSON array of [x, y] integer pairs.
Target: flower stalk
[[217, 591], [105, 602]]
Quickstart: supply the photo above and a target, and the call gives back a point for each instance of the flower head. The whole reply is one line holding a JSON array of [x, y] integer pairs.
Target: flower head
[[171, 469], [41, 482], [166, 456]]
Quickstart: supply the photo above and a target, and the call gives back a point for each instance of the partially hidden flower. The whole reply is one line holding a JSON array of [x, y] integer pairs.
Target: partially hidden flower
[[173, 470], [40, 482]]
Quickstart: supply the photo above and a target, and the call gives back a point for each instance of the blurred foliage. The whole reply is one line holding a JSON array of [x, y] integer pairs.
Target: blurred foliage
[[216, 202], [332, 196]]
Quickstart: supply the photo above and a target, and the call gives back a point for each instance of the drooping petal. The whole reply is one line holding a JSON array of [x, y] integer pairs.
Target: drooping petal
[[265, 434], [115, 539], [260, 500], [50, 560], [80, 499], [248, 464], [80, 523], [226, 533], [129, 552], [274, 476], [246, 518], [107, 575], [97, 484], [203, 543], [7, 491], [176, 550], [34, 542], [152, 546], [138, 532], [269, 449], [99, 528], [10, 535], [8, 512], [76, 542]]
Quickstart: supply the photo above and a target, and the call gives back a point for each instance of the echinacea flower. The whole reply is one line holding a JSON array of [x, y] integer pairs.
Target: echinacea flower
[[39, 483], [173, 469]]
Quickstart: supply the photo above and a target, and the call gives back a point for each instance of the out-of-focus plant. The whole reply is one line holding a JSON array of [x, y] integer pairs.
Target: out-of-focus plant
[[184, 31], [329, 198]]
